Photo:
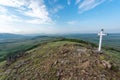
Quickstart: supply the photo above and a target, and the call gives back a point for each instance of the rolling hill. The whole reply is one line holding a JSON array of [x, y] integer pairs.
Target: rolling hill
[[62, 59], [17, 45]]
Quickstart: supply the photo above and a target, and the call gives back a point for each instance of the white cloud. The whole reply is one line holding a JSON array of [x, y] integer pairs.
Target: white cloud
[[89, 4], [38, 11], [3, 10], [12, 3], [68, 2], [5, 18], [57, 8], [33, 9], [39, 21], [77, 1]]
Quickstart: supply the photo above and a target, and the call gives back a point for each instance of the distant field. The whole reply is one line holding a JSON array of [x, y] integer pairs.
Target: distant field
[[15, 46], [112, 40]]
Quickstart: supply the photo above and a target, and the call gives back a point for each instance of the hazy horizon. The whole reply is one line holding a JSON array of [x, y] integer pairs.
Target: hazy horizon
[[57, 33]]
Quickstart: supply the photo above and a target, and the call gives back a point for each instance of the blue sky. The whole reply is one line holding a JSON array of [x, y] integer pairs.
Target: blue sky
[[59, 16]]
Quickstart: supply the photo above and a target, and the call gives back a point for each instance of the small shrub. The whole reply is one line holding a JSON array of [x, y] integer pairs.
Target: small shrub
[[115, 68]]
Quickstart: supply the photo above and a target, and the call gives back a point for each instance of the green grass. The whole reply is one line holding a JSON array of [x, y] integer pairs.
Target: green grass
[[114, 56], [13, 48], [2, 63], [41, 59]]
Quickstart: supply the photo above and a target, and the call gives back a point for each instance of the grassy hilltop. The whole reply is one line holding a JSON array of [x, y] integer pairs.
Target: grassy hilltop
[[63, 59]]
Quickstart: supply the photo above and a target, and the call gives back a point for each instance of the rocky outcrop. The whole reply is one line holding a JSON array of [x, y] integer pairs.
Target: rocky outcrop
[[13, 58]]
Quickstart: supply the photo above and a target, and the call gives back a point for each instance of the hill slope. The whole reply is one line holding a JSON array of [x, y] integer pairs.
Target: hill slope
[[61, 60]]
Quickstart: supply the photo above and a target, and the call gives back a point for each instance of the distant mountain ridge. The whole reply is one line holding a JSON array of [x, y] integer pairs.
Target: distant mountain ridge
[[10, 36]]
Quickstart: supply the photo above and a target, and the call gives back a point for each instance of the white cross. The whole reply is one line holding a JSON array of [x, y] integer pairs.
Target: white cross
[[101, 34]]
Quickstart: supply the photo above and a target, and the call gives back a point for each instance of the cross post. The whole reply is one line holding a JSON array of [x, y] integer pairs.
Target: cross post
[[101, 34]]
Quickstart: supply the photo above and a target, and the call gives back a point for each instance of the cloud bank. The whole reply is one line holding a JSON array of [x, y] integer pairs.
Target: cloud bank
[[35, 11]]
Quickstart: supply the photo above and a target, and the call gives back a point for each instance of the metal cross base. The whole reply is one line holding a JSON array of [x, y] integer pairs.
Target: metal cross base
[[99, 52]]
